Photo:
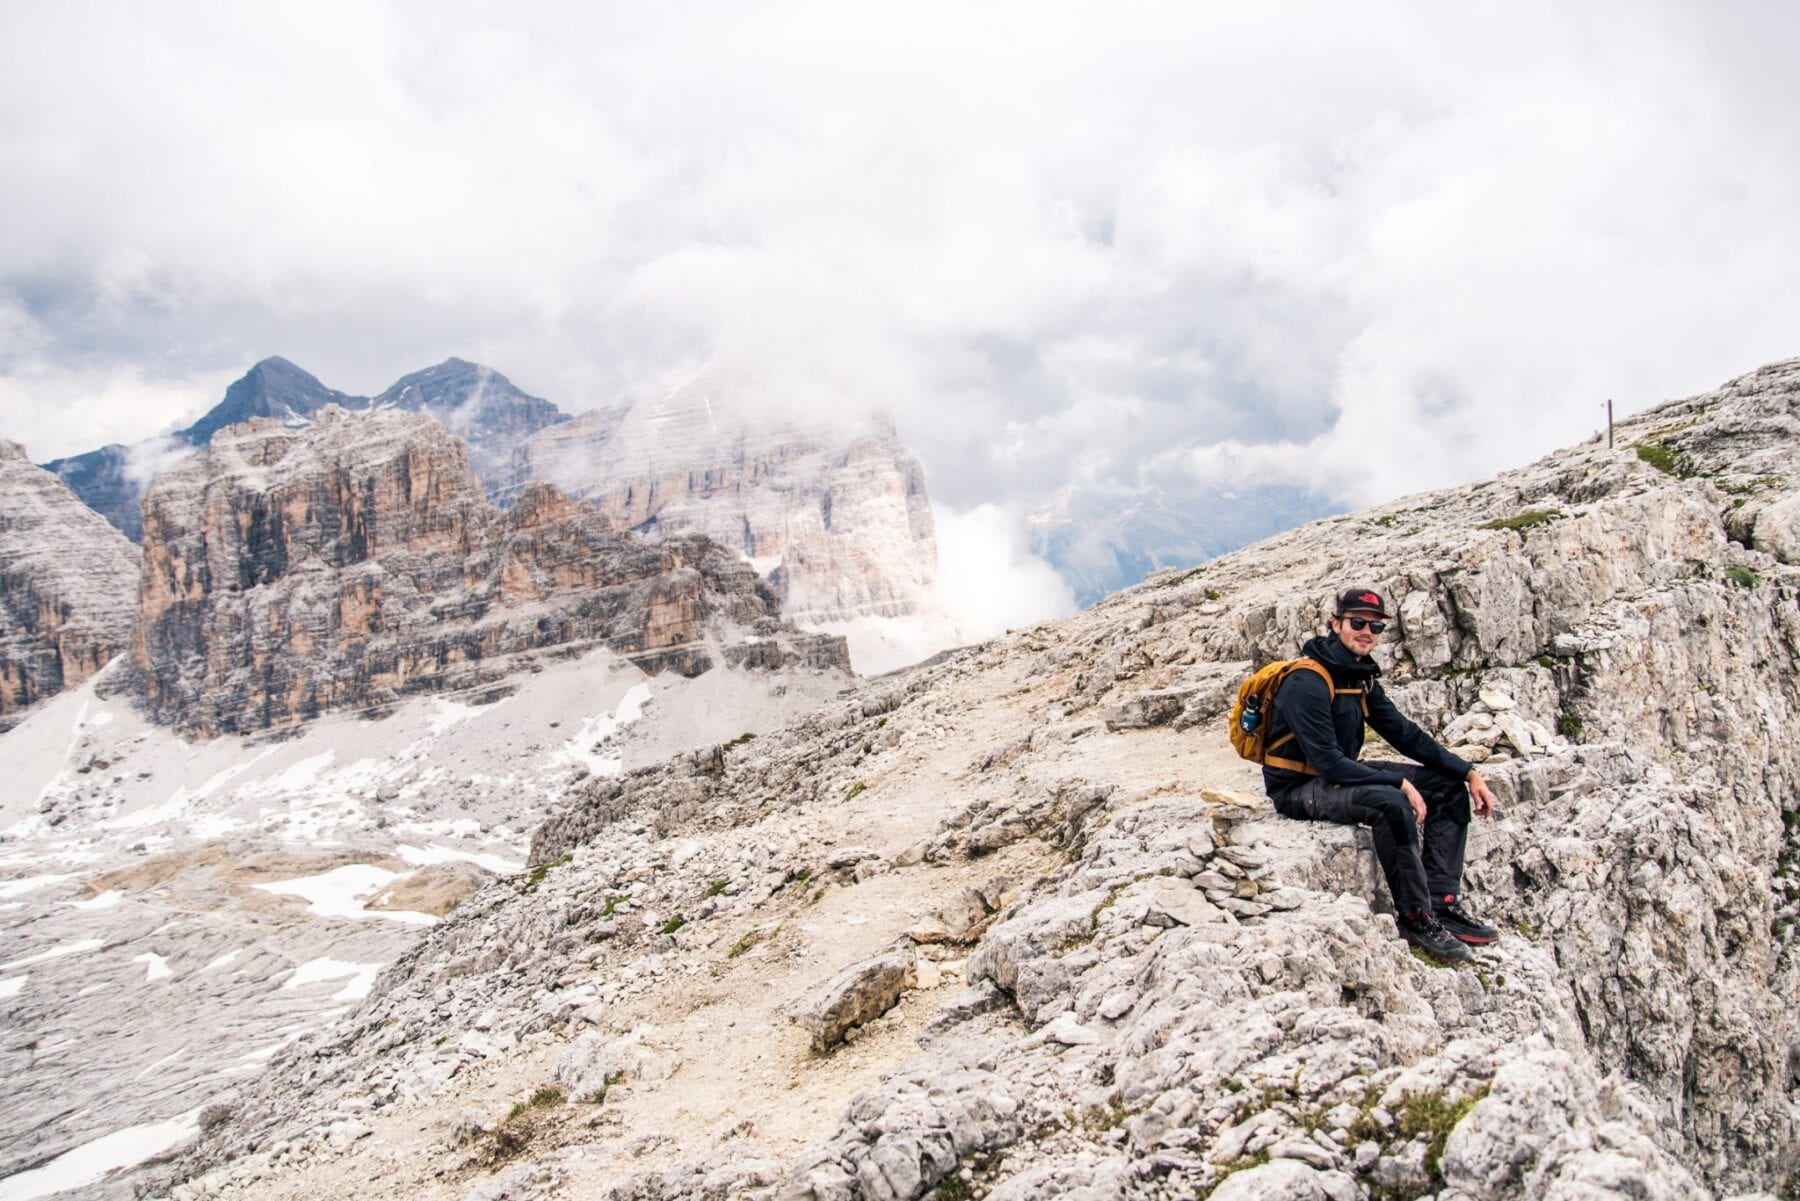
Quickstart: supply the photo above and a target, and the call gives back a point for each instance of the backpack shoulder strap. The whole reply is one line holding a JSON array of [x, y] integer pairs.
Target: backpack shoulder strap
[[1331, 690], [1318, 669]]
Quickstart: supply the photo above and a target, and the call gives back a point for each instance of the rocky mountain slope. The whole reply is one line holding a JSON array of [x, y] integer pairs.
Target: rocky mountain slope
[[1015, 924], [68, 583], [837, 519], [173, 912], [483, 408], [354, 561], [479, 405]]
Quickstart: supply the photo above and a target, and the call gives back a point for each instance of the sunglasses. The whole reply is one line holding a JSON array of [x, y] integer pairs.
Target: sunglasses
[[1358, 623]]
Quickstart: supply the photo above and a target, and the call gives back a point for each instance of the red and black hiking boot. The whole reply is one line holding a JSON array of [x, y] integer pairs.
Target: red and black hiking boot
[[1430, 937], [1455, 919]]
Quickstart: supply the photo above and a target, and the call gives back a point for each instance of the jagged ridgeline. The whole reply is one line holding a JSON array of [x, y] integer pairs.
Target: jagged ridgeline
[[1043, 940], [354, 561], [474, 402]]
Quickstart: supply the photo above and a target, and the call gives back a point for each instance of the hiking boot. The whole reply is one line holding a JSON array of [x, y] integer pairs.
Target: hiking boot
[[1455, 919], [1423, 932]]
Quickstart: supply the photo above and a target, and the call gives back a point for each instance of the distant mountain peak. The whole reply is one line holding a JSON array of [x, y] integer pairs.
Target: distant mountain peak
[[479, 405], [450, 376], [273, 387]]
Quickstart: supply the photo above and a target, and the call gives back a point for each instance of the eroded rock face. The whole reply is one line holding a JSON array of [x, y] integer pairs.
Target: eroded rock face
[[355, 561], [476, 403], [838, 519], [67, 585]]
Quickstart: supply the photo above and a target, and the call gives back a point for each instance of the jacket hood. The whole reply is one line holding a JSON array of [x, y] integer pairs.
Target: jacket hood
[[1339, 659]]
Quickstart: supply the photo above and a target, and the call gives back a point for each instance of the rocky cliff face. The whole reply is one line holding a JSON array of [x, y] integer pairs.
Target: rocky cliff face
[[67, 583], [1039, 936], [837, 519], [112, 480], [356, 561], [477, 404]]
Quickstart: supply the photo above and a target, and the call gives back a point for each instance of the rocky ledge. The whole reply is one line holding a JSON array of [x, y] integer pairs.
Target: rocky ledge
[[355, 561]]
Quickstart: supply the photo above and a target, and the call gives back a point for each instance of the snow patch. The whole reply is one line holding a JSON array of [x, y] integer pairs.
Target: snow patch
[[16, 888], [68, 948], [219, 779], [452, 713], [362, 977], [105, 900], [93, 1161], [171, 1057], [10, 986], [341, 891], [588, 748], [298, 776], [222, 960], [425, 856], [158, 967]]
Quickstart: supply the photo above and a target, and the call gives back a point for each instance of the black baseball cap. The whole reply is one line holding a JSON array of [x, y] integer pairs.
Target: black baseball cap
[[1361, 600]]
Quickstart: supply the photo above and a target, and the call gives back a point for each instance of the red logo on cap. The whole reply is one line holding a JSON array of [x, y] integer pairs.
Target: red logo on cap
[[1370, 597]]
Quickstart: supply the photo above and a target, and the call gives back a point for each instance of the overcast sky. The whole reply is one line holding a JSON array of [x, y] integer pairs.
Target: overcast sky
[[1084, 248]]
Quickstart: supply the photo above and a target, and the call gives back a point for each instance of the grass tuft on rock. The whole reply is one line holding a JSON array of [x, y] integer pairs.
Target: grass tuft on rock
[[1232, 1167], [545, 1096], [536, 876], [747, 940], [1666, 459], [953, 1188], [1431, 1114], [1527, 520], [1739, 576]]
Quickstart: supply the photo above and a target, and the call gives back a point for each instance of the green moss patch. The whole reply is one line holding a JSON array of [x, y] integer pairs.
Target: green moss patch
[[1666, 459]]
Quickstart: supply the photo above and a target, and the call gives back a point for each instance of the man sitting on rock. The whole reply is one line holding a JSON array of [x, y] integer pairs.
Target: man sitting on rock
[[1312, 773]]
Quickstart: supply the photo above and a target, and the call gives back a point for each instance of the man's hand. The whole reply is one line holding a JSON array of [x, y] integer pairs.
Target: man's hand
[[1478, 791], [1414, 799]]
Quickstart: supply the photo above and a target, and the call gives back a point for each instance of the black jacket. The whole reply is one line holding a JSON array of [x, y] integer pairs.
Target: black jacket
[[1330, 732]]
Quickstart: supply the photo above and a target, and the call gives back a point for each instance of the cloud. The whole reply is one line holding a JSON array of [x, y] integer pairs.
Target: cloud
[[988, 579], [146, 460], [1079, 255], [988, 582]]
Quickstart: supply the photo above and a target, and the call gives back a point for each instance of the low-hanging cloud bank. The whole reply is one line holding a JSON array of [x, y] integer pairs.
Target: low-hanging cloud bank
[[1079, 254]]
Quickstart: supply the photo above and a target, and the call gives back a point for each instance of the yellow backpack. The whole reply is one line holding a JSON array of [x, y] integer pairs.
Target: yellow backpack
[[1255, 706]]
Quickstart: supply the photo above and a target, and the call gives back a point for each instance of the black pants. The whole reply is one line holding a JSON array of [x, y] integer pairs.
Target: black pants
[[1418, 871]]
